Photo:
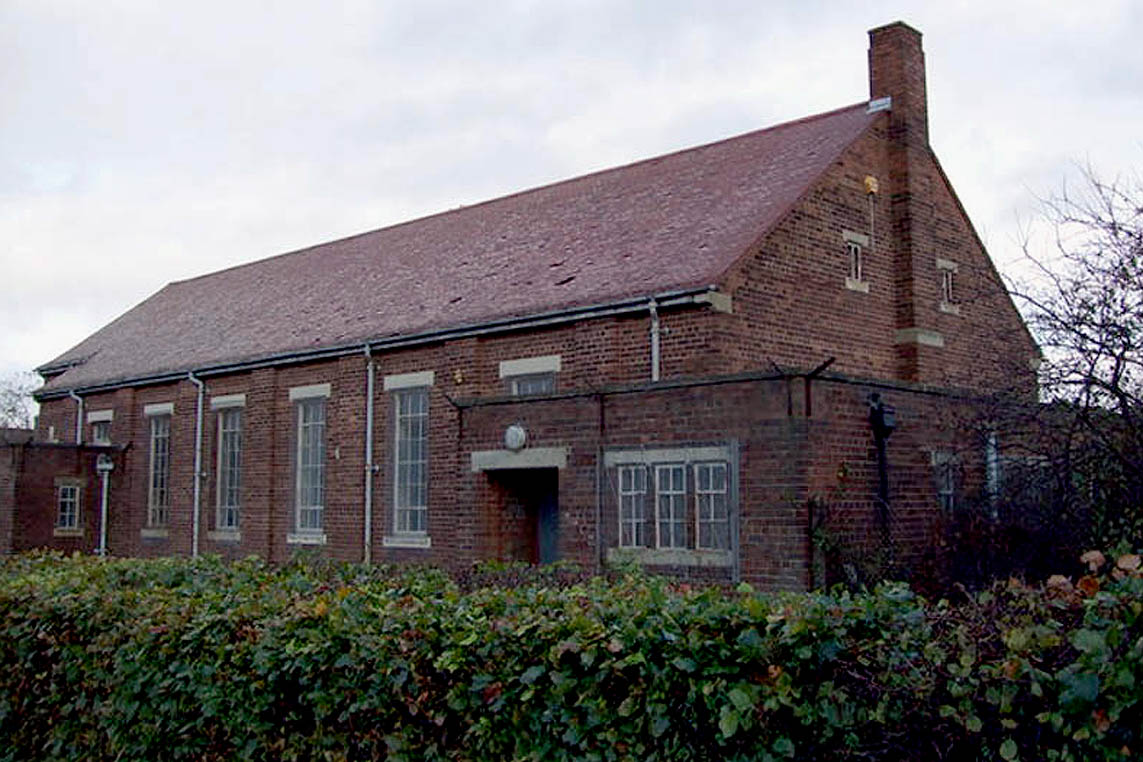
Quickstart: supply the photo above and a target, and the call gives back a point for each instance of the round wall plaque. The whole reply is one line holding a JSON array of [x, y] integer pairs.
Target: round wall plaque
[[515, 437]]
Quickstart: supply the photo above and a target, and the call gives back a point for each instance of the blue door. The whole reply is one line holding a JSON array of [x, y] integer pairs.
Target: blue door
[[548, 521]]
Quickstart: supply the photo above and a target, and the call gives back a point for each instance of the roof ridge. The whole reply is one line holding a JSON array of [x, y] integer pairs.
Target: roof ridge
[[534, 189]]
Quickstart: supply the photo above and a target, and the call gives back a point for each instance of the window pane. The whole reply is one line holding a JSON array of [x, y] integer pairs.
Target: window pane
[[159, 487], [101, 432], [712, 506], [229, 467], [540, 383], [68, 507], [632, 504], [671, 499], [411, 460], [310, 476]]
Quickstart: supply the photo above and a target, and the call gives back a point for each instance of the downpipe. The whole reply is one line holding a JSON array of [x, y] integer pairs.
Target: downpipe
[[370, 375], [195, 519]]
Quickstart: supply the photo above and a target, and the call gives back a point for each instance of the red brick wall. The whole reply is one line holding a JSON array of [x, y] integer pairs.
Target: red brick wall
[[785, 458], [11, 457], [39, 467], [792, 306]]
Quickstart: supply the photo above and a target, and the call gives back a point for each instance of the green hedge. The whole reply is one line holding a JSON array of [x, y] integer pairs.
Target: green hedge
[[178, 659]]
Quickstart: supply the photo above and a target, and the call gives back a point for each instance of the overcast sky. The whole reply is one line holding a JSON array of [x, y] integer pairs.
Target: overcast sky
[[143, 142]]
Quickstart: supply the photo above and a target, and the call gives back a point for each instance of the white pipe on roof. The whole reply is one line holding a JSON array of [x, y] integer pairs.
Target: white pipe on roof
[[78, 416], [197, 463], [654, 307]]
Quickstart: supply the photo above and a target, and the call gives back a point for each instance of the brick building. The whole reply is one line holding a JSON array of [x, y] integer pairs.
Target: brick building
[[682, 362]]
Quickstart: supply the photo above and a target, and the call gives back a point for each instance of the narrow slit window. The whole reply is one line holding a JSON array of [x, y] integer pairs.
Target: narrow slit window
[[946, 485], [948, 286], [856, 261]]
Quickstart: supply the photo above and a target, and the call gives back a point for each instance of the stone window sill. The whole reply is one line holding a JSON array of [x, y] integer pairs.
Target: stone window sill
[[67, 532], [407, 541], [671, 557], [950, 309], [154, 533], [857, 285], [224, 535], [306, 538]]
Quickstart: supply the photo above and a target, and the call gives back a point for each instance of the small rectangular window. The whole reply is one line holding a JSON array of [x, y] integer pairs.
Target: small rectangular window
[[632, 506], [533, 383], [948, 270], [711, 506], [671, 498], [67, 502], [101, 433], [310, 465], [159, 493], [411, 461], [947, 470], [229, 467]]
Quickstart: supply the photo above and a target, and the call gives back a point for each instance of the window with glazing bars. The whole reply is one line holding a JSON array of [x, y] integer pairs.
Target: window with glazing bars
[[229, 467], [711, 504], [159, 493], [68, 502], [632, 506], [310, 477], [533, 383], [411, 461], [101, 433], [671, 496]]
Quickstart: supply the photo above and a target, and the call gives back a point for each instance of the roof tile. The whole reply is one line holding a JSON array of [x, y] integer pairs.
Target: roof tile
[[674, 221]]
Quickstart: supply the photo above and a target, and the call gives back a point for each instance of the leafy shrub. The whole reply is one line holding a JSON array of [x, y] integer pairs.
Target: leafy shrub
[[182, 659]]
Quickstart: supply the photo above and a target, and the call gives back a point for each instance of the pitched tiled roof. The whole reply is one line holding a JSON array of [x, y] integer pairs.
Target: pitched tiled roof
[[675, 221]]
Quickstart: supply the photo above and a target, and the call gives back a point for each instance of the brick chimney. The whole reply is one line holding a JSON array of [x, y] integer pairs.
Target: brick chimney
[[897, 70]]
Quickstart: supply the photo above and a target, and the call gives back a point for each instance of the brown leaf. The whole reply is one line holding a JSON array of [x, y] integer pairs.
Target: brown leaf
[[1088, 585]]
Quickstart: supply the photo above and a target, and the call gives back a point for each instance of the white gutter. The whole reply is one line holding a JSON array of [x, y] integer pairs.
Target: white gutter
[[367, 539], [654, 340], [197, 463], [78, 416]]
